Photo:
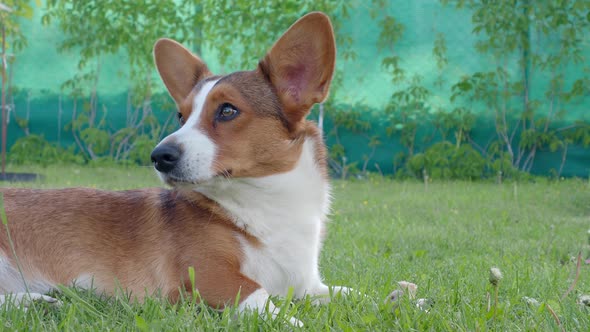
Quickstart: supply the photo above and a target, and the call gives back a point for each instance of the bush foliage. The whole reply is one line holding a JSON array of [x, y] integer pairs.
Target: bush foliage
[[430, 141]]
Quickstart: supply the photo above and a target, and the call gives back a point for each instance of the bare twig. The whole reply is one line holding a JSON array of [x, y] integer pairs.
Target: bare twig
[[165, 126], [573, 285], [321, 119], [74, 133], [3, 106], [557, 321], [563, 158], [5, 8], [378, 169], [477, 146]]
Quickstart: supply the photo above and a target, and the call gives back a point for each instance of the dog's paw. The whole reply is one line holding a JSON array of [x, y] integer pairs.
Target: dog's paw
[[323, 294], [295, 322], [27, 299]]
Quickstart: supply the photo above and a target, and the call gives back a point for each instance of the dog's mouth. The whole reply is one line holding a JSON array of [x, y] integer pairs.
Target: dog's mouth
[[177, 181], [226, 173]]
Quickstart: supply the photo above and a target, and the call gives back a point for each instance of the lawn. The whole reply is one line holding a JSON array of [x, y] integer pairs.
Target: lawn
[[444, 237]]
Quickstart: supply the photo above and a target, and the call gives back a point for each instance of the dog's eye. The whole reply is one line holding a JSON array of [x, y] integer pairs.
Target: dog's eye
[[226, 112], [180, 118]]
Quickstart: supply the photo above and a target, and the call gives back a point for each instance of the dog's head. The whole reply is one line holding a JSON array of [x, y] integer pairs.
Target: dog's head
[[248, 123]]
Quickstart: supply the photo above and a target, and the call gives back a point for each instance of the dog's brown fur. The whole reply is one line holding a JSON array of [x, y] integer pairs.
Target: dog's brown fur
[[144, 241]]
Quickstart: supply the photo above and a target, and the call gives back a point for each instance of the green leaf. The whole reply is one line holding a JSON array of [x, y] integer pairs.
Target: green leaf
[[191, 277], [27, 12], [141, 324], [2, 211]]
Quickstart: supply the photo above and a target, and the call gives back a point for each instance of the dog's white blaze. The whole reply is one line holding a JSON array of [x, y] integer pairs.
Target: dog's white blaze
[[196, 163], [286, 212]]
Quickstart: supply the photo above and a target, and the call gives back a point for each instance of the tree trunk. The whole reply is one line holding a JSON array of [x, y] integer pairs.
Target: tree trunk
[[59, 113], [526, 61], [4, 115], [321, 119]]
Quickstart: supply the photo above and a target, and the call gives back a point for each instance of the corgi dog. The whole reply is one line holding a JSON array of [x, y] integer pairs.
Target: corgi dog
[[248, 200]]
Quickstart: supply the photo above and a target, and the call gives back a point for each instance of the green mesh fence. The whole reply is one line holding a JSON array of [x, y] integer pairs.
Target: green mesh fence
[[39, 71]]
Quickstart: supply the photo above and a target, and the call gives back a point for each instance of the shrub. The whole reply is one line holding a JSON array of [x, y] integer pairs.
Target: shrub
[[446, 161], [35, 149]]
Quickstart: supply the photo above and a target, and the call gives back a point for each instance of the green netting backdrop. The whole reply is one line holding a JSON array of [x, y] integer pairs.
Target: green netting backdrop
[[40, 70]]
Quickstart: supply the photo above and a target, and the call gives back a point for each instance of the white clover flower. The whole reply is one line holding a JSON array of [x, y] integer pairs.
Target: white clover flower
[[584, 300], [425, 304], [531, 301]]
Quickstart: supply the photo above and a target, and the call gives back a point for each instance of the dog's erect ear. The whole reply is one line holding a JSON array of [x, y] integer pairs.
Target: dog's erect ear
[[179, 68], [300, 64]]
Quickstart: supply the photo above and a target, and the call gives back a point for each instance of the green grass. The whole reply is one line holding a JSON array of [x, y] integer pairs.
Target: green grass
[[445, 238]]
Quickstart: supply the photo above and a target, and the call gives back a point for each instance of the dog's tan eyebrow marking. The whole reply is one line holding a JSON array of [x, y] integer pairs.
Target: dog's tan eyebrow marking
[[257, 92]]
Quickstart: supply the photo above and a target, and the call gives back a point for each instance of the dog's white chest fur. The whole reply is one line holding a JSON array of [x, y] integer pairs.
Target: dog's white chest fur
[[285, 212]]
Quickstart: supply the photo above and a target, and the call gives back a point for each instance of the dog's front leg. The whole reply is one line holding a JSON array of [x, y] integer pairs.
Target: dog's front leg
[[258, 300], [219, 286], [25, 299], [321, 294]]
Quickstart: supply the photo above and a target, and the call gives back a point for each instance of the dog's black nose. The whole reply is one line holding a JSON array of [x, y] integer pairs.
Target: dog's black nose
[[165, 157]]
